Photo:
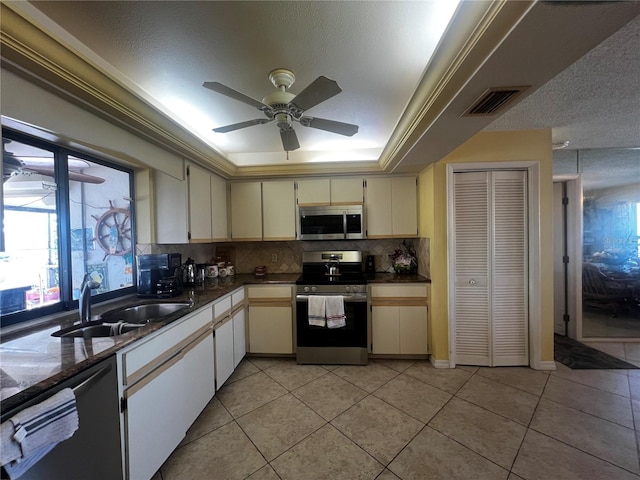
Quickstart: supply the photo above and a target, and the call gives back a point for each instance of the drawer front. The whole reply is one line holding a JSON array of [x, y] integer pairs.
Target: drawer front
[[275, 291], [237, 297], [143, 358], [221, 308], [399, 290]]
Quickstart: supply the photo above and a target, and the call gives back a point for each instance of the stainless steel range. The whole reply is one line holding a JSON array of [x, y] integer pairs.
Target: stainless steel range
[[332, 274]]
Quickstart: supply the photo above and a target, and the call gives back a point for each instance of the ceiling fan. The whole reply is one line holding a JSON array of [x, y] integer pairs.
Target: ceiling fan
[[12, 166], [285, 107]]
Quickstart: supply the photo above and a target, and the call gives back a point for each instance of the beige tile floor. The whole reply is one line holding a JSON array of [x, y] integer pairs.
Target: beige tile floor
[[406, 420]]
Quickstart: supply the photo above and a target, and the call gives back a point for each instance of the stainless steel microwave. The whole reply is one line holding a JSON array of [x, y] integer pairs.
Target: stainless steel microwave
[[331, 223]]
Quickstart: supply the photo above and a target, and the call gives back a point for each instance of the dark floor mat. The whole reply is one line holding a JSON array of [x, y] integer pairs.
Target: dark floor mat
[[577, 355]]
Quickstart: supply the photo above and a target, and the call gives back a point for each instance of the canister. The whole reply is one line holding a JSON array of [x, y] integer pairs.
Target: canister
[[212, 271]]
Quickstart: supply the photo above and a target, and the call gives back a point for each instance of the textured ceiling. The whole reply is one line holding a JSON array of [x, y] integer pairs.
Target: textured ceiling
[[594, 103], [408, 103]]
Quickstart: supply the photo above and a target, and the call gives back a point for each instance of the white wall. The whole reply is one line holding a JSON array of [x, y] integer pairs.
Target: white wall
[[28, 103]]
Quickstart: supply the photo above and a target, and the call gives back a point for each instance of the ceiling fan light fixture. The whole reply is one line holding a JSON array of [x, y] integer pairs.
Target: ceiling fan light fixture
[[282, 121]]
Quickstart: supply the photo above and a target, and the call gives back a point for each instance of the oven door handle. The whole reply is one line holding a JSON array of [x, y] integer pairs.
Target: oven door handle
[[346, 298]]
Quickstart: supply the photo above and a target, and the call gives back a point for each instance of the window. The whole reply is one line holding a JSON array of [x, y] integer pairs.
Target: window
[[65, 215]]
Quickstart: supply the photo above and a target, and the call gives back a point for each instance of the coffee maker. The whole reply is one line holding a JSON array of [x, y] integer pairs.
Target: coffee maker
[[157, 275]]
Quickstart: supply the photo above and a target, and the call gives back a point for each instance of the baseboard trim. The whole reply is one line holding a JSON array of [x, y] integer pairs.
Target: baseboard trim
[[543, 365], [439, 363]]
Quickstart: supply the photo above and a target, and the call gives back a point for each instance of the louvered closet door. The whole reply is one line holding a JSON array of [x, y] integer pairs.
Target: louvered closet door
[[509, 269], [471, 210], [490, 259]]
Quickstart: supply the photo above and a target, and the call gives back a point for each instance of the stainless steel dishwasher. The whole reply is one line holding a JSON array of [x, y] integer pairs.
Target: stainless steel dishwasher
[[94, 449]]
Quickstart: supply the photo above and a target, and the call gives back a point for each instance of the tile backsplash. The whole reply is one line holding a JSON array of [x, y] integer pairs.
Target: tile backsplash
[[248, 255]]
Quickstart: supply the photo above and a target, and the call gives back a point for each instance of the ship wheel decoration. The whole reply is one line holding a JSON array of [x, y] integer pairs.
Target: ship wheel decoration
[[113, 231]]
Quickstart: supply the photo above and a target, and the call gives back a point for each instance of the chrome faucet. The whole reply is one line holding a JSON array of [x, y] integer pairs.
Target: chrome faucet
[[87, 285]]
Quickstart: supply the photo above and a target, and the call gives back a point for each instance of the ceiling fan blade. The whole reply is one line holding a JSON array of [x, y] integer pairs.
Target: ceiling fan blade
[[230, 92], [75, 176], [289, 139], [341, 128], [238, 126], [318, 91]]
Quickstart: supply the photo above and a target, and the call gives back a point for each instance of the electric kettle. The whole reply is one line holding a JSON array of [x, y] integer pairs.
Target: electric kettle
[[333, 267], [189, 272]]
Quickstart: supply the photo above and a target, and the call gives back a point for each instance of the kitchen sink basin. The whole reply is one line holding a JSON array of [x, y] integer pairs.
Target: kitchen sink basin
[[96, 328], [143, 313]]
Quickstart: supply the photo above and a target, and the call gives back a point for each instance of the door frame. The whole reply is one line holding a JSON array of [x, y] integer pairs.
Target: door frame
[[534, 268], [574, 251]]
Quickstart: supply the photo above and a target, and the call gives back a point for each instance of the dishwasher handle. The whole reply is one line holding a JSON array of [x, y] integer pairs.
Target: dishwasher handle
[[87, 383]]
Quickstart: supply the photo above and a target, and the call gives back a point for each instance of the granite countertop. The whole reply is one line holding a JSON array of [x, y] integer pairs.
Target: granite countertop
[[382, 277], [33, 361]]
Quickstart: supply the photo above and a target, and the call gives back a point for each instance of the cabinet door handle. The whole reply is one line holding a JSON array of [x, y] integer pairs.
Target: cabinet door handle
[[152, 375]]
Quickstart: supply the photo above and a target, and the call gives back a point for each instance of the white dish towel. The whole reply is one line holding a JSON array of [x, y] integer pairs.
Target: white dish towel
[[334, 308], [317, 311], [30, 434]]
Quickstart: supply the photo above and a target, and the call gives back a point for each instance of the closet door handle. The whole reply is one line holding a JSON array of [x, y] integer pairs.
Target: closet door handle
[[472, 282]]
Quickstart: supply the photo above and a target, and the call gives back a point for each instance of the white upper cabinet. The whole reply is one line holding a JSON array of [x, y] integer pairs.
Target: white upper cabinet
[[279, 210], [171, 220], [391, 207], [314, 192], [246, 211], [378, 207], [207, 205], [334, 191], [347, 191], [404, 207], [219, 221], [199, 203]]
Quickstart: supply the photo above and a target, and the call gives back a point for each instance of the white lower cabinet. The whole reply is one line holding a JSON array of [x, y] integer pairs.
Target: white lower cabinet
[[399, 319], [199, 376], [228, 314], [224, 351], [239, 326], [151, 433], [270, 319], [165, 380]]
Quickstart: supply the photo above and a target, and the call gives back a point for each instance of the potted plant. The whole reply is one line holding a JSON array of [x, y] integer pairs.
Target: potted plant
[[404, 259]]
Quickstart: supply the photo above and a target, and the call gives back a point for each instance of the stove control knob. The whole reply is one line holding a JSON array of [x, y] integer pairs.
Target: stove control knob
[[306, 289], [347, 288], [314, 289]]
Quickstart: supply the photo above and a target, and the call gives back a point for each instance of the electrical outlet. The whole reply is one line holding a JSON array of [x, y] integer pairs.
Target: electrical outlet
[[274, 257]]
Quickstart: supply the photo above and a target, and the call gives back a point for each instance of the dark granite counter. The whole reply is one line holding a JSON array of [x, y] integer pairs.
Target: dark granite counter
[[395, 278], [32, 361]]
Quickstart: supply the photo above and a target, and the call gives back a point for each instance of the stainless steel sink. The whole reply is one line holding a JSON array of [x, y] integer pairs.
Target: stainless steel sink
[[144, 313], [96, 328], [122, 320]]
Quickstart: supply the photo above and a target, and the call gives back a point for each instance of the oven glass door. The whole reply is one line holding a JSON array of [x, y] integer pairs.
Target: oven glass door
[[353, 334]]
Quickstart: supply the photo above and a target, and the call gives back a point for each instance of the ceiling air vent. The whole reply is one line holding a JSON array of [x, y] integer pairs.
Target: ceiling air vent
[[494, 100]]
